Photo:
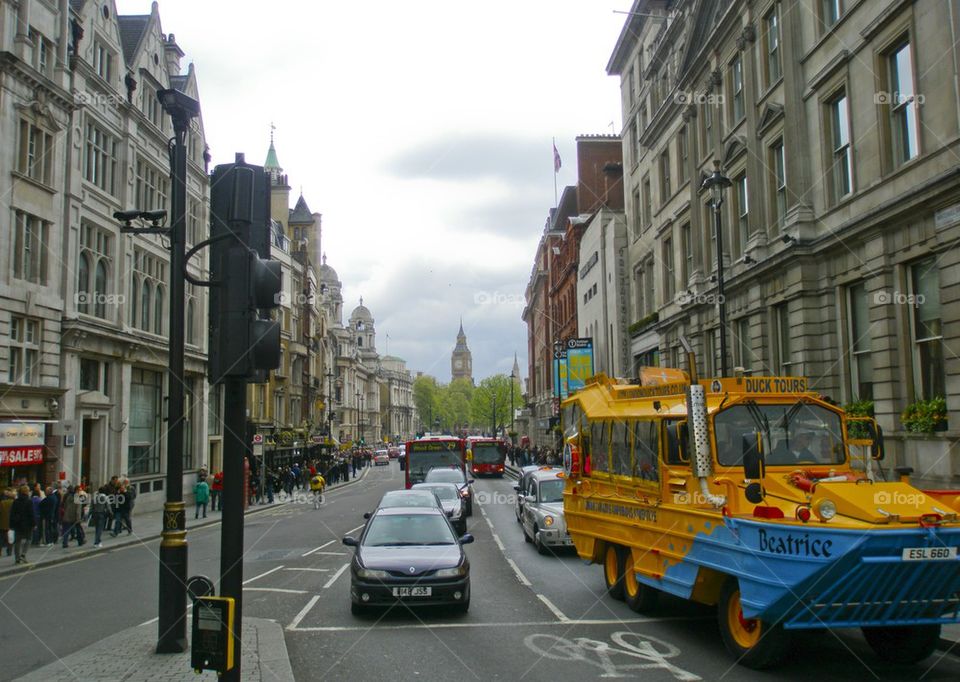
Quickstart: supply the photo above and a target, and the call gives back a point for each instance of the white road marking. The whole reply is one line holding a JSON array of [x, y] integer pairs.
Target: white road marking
[[317, 549], [303, 612], [496, 538], [553, 607], [336, 575], [321, 570], [516, 569], [528, 624], [273, 589], [331, 553], [257, 577], [357, 528]]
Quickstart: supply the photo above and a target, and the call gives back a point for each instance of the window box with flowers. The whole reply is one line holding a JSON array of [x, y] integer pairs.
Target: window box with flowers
[[925, 416]]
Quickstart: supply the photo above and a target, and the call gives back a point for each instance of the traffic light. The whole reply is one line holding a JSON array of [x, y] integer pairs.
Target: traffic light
[[246, 284]]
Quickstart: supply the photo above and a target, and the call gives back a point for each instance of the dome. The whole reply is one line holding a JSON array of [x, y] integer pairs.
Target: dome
[[327, 273], [361, 313]]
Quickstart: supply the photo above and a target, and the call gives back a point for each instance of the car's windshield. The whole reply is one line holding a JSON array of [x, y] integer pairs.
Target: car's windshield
[[408, 498], [487, 453], [408, 529], [444, 492], [793, 433], [445, 475], [551, 491]]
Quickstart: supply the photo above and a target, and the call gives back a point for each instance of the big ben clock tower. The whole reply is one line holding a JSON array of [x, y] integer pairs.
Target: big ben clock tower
[[461, 362]]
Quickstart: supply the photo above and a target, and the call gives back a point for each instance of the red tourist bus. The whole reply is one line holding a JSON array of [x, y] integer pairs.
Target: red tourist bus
[[489, 455], [424, 454]]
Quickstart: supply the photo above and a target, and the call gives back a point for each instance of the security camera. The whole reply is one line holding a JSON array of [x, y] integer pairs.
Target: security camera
[[126, 216], [153, 216]]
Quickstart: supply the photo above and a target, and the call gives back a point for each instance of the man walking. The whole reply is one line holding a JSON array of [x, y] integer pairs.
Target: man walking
[[100, 510], [21, 523], [215, 491], [6, 502]]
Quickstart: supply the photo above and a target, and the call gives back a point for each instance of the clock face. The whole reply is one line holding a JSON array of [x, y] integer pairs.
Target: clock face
[[458, 364]]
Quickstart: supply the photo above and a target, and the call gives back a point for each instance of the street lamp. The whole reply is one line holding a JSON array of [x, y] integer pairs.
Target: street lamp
[[717, 182], [172, 612], [513, 378]]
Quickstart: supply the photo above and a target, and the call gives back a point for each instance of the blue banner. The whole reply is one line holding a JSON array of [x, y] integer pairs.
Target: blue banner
[[579, 363]]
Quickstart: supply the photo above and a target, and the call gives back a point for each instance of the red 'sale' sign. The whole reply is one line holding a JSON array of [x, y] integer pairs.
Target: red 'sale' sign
[[21, 456]]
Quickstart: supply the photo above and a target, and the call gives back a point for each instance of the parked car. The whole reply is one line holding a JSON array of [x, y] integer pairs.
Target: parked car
[[381, 457], [523, 481], [449, 496], [542, 516], [409, 555], [453, 475]]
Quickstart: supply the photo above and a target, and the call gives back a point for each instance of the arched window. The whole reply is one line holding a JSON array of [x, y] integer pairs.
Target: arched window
[[158, 311], [83, 284], [100, 290], [145, 306], [191, 312], [134, 300]]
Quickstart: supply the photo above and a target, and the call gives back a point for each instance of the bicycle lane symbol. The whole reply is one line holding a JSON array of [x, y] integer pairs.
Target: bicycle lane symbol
[[654, 652]]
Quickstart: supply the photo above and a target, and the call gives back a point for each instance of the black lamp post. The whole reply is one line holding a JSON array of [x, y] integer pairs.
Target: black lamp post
[[717, 182], [513, 378], [172, 621], [329, 376]]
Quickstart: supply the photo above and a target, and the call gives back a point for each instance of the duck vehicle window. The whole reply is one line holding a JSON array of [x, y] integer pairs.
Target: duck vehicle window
[[793, 434]]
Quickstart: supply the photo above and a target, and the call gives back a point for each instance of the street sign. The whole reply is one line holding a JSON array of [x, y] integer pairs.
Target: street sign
[[579, 363], [258, 439]]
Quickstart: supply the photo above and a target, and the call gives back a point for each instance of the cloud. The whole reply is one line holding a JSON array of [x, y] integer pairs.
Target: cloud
[[517, 162]]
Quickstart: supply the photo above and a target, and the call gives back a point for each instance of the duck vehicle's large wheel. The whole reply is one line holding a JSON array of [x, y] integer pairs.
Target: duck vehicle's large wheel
[[903, 644], [613, 572], [639, 597], [754, 643]]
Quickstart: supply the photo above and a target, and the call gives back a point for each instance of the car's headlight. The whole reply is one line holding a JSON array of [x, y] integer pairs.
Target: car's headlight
[[369, 574], [455, 572], [548, 520]]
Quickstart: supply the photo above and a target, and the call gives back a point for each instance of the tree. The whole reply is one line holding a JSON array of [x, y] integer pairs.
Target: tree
[[426, 397], [490, 406]]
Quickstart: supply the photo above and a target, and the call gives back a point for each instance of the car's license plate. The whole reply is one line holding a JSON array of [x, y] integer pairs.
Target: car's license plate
[[411, 591], [929, 553]]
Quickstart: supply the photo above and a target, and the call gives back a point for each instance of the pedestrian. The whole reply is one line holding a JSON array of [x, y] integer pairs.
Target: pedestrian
[[201, 494], [36, 497], [100, 512], [48, 516], [271, 482], [6, 502], [215, 490], [22, 523], [317, 484], [121, 511]]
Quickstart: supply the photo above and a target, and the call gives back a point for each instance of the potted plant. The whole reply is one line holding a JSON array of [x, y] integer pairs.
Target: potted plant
[[858, 408], [925, 416]]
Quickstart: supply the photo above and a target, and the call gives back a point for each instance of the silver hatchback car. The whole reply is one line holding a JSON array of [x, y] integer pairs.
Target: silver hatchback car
[[542, 513]]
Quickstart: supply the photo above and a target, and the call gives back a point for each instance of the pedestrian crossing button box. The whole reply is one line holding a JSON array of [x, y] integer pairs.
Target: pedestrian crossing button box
[[212, 636]]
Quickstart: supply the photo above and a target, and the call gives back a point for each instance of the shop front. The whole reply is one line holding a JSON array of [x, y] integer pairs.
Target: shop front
[[22, 451]]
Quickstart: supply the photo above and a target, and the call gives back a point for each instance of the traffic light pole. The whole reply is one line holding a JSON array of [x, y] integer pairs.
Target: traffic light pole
[[172, 615], [231, 533]]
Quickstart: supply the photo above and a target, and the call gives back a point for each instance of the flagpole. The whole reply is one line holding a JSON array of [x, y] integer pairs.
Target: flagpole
[[555, 171]]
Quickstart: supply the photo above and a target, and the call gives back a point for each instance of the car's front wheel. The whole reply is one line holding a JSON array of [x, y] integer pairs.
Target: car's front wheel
[[538, 543]]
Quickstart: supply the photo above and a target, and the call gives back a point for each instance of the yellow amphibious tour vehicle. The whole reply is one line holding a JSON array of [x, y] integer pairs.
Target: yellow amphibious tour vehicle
[[743, 493]]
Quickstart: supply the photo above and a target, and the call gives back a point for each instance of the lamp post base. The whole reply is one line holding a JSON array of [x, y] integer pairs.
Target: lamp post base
[[172, 623]]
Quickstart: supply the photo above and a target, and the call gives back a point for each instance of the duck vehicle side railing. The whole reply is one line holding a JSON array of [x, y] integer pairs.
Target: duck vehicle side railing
[[745, 493]]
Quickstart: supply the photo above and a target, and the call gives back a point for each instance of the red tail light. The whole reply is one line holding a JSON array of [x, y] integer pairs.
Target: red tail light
[[762, 512]]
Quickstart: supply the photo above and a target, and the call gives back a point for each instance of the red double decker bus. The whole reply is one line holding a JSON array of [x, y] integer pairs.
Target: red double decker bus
[[488, 456], [431, 452]]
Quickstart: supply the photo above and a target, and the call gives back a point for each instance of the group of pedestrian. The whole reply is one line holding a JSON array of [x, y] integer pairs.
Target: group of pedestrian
[[524, 456], [33, 516]]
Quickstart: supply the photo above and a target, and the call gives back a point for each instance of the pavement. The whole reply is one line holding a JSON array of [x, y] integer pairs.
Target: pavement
[[263, 658], [147, 527]]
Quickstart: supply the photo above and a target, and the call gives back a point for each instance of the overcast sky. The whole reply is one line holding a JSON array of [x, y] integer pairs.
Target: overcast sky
[[421, 130]]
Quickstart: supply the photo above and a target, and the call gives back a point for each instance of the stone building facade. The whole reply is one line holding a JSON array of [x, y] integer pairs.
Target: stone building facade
[[86, 307], [839, 130]]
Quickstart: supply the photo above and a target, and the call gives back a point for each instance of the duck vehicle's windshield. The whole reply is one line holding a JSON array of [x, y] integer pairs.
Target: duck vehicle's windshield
[[794, 434]]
